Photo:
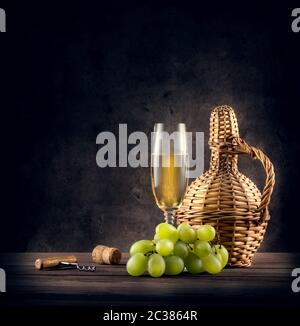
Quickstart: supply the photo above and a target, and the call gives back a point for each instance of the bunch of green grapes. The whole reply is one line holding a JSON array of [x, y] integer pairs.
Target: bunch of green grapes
[[174, 250]]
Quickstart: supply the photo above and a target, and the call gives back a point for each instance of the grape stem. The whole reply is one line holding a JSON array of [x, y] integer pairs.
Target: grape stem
[[149, 253]]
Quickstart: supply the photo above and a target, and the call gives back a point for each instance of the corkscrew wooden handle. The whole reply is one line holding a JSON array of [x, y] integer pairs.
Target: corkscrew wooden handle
[[48, 262]]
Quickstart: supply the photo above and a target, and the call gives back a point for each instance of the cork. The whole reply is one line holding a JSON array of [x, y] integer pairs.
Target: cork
[[106, 255]]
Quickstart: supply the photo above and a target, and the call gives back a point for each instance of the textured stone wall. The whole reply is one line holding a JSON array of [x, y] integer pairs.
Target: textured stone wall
[[137, 65]]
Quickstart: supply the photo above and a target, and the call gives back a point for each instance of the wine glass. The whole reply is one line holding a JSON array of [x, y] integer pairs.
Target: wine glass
[[169, 168]]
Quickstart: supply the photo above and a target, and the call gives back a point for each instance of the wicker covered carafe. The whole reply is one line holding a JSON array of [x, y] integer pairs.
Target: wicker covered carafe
[[224, 197]]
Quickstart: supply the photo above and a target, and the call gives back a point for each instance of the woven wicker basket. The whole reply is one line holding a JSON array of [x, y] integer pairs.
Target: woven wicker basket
[[224, 197]]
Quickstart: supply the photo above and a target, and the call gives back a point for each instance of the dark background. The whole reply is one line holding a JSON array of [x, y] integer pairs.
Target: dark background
[[70, 72]]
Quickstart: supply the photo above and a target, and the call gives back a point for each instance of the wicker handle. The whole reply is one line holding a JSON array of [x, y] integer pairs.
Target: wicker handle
[[235, 145]]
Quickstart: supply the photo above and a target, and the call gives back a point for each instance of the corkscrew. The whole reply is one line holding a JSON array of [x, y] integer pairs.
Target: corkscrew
[[81, 268], [62, 262]]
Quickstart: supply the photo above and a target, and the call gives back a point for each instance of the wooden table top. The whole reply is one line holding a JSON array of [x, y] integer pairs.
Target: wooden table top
[[269, 277]]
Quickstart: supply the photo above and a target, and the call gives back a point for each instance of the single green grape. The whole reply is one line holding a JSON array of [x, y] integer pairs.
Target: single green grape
[[206, 232], [186, 233], [180, 249], [222, 251], [218, 256], [156, 265], [164, 247], [137, 264], [142, 246], [212, 264], [166, 231], [202, 248], [193, 264], [174, 265], [156, 238]]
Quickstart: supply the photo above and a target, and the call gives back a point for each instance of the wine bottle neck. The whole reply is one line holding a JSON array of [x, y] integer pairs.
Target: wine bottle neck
[[223, 161]]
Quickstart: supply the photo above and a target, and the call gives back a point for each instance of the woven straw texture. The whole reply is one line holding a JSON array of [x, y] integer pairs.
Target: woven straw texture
[[224, 197]]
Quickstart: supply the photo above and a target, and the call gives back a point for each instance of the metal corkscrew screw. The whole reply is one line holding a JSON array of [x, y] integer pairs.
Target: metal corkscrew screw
[[82, 268]]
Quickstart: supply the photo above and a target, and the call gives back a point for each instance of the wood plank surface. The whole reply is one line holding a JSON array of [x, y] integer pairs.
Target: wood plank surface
[[269, 277]]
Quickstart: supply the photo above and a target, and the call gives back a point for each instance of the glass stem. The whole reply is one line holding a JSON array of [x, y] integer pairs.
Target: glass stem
[[170, 218]]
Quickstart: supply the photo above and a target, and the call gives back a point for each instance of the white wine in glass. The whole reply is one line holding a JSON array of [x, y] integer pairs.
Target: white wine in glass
[[169, 169]]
